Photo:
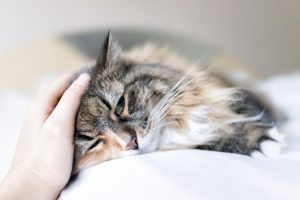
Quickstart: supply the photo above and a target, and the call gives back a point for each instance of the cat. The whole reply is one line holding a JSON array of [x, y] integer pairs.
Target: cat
[[150, 99]]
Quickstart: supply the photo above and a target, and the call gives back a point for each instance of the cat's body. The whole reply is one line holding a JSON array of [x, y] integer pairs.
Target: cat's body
[[150, 99]]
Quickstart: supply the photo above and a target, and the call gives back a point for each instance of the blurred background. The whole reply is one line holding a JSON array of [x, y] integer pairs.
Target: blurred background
[[42, 37], [261, 34]]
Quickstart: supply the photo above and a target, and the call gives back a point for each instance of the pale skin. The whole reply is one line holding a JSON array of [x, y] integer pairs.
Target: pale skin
[[43, 159]]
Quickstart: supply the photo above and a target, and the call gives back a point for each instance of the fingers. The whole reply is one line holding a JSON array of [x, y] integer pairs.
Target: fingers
[[49, 97], [65, 112], [38, 111]]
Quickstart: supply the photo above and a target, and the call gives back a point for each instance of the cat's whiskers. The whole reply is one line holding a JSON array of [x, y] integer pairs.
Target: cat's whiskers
[[163, 125], [175, 96], [173, 104], [178, 90], [164, 100], [175, 89], [162, 108]]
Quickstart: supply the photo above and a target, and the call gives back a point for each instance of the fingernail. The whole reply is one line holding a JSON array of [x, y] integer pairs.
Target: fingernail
[[83, 79]]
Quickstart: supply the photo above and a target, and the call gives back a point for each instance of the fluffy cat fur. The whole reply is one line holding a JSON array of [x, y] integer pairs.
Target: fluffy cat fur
[[150, 99]]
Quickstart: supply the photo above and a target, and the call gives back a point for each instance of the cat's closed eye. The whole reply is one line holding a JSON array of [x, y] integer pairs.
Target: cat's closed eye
[[84, 137], [106, 103], [96, 143]]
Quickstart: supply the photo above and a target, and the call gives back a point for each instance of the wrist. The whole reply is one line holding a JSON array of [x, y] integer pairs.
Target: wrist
[[24, 184]]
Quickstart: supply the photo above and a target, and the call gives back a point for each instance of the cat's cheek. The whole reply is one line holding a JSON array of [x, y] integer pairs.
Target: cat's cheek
[[111, 148], [91, 158], [149, 142]]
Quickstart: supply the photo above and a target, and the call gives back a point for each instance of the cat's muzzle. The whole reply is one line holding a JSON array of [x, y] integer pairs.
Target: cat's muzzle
[[133, 144]]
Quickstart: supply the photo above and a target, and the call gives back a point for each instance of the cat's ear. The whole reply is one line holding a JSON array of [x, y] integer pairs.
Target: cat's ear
[[109, 53]]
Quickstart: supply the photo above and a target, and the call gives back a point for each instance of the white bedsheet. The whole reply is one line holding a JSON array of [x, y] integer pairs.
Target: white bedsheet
[[189, 174], [184, 174]]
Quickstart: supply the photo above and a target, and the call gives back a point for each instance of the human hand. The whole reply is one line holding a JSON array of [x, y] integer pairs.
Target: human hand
[[43, 159]]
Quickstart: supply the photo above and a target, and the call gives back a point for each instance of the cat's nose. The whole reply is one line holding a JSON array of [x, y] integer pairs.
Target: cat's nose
[[133, 144]]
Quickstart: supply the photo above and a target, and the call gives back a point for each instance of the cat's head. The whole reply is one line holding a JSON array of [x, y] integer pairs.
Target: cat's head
[[118, 104]]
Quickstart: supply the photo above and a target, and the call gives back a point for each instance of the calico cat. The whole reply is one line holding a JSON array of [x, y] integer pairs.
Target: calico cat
[[150, 99]]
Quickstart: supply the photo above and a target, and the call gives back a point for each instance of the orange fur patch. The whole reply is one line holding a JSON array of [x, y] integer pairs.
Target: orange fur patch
[[110, 148]]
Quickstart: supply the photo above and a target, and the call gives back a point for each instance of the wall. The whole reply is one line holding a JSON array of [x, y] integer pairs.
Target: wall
[[264, 34]]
